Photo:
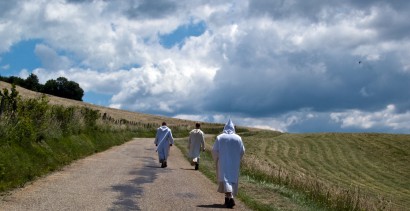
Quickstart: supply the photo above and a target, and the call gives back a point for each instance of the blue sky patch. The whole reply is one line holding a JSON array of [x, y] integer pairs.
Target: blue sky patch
[[21, 56], [97, 98], [177, 37]]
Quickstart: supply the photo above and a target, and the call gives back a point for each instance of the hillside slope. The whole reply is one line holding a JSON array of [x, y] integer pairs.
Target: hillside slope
[[111, 112]]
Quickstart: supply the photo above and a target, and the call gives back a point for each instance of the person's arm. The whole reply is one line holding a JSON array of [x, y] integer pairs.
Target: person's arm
[[189, 141], [171, 139], [215, 150], [156, 139], [203, 142], [243, 149]]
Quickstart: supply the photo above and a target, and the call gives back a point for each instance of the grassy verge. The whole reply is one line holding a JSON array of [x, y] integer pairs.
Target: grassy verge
[[20, 164]]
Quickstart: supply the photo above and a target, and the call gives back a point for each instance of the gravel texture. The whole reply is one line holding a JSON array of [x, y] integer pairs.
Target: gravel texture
[[126, 177]]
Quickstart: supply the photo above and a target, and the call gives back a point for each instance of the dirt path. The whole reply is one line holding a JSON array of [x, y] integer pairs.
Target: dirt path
[[126, 177]]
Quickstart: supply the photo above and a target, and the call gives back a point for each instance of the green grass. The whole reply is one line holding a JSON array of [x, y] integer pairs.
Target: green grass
[[21, 164]]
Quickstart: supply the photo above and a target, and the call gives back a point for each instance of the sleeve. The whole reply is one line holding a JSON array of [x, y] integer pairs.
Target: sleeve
[[156, 138], [243, 149], [189, 141], [215, 150], [203, 141], [170, 138]]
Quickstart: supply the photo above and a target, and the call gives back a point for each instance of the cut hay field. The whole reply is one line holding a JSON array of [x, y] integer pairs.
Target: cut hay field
[[322, 171], [373, 168]]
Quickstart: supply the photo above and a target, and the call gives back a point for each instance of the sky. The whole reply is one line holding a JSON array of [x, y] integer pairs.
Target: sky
[[286, 65]]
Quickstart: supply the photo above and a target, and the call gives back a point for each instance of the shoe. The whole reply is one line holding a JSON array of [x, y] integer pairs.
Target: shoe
[[162, 165], [196, 166], [226, 201], [165, 164], [230, 203]]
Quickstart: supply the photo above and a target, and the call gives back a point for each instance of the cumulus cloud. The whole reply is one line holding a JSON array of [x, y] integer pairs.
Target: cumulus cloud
[[388, 117], [50, 58], [284, 65]]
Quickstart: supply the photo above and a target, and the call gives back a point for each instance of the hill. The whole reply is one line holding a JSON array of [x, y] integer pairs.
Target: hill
[[117, 114]]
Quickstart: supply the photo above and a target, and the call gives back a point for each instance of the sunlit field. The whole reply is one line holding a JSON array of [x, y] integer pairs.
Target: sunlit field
[[342, 171]]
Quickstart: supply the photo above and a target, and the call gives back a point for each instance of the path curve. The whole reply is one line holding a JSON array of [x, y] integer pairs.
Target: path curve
[[126, 177]]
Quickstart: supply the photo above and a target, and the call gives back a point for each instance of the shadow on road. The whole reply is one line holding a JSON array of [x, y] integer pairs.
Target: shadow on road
[[212, 206], [188, 169], [129, 192]]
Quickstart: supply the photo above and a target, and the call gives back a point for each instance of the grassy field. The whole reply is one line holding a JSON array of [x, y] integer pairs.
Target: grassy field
[[369, 171], [328, 171]]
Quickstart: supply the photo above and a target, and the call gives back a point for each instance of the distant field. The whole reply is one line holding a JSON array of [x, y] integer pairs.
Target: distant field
[[376, 165]]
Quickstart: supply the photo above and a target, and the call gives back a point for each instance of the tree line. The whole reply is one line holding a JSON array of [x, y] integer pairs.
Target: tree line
[[60, 87]]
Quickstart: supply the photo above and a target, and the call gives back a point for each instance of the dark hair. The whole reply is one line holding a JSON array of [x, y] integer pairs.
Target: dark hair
[[164, 123], [197, 125]]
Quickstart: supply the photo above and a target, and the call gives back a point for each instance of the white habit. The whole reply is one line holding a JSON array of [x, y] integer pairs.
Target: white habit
[[227, 152], [163, 139], [196, 142]]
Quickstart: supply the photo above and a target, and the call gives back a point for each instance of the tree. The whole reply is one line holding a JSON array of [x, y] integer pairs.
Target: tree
[[64, 88], [32, 83]]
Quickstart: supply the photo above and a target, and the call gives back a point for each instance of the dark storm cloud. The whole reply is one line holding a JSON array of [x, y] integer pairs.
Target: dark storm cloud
[[151, 9], [6, 7], [321, 81]]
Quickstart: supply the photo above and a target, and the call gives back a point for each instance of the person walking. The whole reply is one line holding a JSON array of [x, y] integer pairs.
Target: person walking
[[227, 152], [196, 143], [163, 141]]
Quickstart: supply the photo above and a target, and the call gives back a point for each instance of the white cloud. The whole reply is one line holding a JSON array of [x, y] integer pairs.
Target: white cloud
[[5, 67], [50, 58], [387, 117], [273, 65]]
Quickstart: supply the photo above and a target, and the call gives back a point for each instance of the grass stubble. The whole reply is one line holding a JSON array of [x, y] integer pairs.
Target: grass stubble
[[324, 171]]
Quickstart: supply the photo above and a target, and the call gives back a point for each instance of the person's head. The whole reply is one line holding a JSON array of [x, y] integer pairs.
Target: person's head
[[164, 123], [197, 125]]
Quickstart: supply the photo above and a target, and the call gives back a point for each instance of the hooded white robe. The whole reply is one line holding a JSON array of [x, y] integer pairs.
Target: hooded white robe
[[196, 142], [163, 139], [227, 152]]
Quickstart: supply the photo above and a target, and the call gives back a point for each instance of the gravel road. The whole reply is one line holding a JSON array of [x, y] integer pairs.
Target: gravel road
[[126, 177]]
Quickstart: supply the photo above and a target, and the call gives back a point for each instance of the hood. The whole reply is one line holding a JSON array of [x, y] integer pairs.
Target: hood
[[163, 128], [229, 127], [195, 130]]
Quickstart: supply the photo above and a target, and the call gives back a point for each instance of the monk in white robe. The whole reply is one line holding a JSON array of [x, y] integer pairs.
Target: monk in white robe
[[163, 141], [196, 143], [227, 152]]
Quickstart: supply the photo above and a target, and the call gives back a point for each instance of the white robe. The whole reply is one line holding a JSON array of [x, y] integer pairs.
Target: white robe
[[227, 152], [196, 142], [163, 139]]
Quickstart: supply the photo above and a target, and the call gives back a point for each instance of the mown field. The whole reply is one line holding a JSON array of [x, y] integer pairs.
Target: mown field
[[372, 168], [329, 171]]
